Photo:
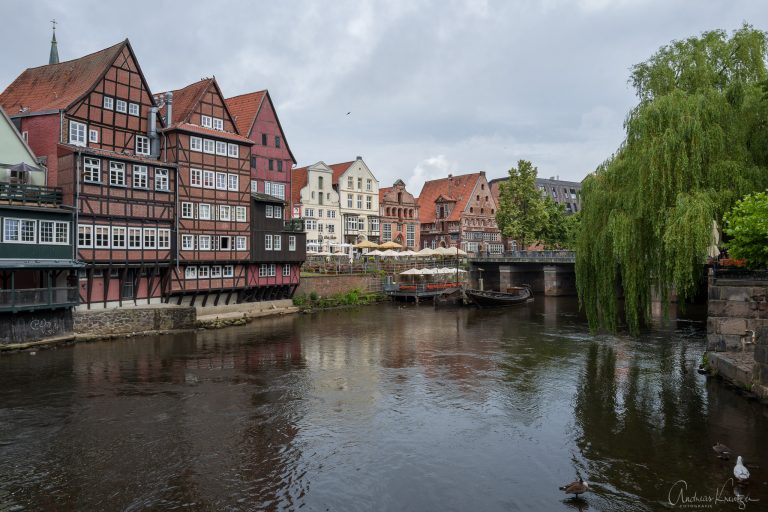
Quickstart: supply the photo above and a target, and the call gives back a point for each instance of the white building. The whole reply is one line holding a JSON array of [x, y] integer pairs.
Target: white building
[[314, 199], [359, 195]]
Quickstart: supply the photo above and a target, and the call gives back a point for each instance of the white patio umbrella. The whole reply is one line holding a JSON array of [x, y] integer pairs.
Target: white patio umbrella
[[411, 272], [375, 252], [407, 253], [390, 253], [425, 252]]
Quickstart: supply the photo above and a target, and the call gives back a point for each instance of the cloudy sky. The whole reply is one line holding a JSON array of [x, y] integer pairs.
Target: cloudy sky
[[433, 87]]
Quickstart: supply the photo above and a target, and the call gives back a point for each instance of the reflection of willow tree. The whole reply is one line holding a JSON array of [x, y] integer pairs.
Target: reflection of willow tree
[[652, 421]]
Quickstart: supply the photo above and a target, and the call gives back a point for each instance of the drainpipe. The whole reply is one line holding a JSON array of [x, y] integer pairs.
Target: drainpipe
[[169, 109], [154, 140]]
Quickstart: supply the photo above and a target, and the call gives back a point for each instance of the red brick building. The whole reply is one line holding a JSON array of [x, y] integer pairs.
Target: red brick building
[[399, 212], [93, 119], [459, 211]]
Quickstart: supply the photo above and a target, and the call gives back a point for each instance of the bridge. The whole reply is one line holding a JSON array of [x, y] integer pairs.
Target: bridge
[[548, 272]]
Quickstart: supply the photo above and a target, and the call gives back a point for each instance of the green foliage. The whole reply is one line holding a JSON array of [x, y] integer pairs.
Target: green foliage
[[355, 297], [747, 224], [524, 215], [689, 154], [313, 296]]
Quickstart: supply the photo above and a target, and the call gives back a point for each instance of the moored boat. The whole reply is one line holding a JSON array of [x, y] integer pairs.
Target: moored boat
[[486, 298]]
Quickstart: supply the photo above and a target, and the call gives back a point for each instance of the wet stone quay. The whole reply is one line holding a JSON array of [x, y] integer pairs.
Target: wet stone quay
[[379, 408]]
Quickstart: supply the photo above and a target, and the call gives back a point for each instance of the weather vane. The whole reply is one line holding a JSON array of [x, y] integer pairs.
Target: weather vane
[[53, 22]]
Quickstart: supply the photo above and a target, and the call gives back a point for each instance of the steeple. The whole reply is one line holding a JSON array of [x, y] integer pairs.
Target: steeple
[[54, 58]]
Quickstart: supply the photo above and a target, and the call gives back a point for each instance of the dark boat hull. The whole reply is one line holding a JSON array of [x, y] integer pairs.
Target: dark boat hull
[[493, 299]]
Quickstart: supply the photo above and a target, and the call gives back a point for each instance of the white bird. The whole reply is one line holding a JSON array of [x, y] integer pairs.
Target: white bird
[[740, 471]]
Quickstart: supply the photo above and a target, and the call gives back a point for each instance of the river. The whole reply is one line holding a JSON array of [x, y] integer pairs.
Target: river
[[378, 408]]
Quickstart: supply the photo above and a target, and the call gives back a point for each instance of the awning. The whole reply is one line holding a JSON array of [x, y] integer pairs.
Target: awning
[[39, 264]]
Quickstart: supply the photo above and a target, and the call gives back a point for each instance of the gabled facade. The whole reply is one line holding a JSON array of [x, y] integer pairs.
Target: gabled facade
[[459, 211], [38, 275], [271, 157], [92, 119], [214, 236], [315, 200], [359, 201], [399, 212]]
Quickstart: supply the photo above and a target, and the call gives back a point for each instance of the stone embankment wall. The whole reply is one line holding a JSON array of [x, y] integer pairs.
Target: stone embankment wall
[[760, 371], [128, 320], [333, 284], [34, 325], [734, 307]]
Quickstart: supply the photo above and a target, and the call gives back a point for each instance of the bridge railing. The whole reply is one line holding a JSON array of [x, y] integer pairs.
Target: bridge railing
[[529, 256]]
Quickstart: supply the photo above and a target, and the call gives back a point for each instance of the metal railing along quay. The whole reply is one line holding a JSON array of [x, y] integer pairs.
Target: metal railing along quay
[[38, 298], [526, 257]]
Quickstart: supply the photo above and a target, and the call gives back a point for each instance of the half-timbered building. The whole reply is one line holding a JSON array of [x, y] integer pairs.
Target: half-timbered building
[[94, 118], [214, 197], [459, 211]]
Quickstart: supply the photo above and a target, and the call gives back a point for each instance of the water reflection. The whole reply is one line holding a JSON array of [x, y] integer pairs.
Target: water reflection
[[369, 409]]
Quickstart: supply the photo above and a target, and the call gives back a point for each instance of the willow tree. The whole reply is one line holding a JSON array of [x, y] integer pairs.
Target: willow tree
[[694, 144]]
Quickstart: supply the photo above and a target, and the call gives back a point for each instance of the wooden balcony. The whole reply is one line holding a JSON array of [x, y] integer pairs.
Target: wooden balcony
[[32, 195]]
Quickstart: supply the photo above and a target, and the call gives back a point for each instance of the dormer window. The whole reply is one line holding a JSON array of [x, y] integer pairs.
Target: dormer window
[[76, 133], [206, 122], [218, 124]]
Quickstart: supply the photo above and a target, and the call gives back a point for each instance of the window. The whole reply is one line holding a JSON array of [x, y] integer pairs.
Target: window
[[206, 122], [118, 238], [218, 124], [278, 190], [46, 231], [92, 170], [277, 211], [361, 223], [309, 212], [187, 242], [163, 238], [277, 242], [320, 213], [221, 181], [161, 179], [254, 186], [410, 235], [263, 139], [277, 141], [195, 143], [221, 148], [253, 161], [233, 150], [233, 182], [263, 270], [190, 273], [121, 106], [209, 179], [359, 202], [349, 200], [331, 228], [93, 135], [208, 146], [203, 272], [272, 268], [320, 227], [229, 271], [109, 102], [61, 233], [359, 183], [133, 109], [369, 184], [25, 136], [310, 225], [142, 145], [204, 211], [216, 272], [139, 176], [134, 238], [117, 174], [271, 165], [240, 243], [374, 224], [286, 271], [76, 133], [150, 238], [225, 243], [291, 242], [204, 242], [84, 236], [225, 212], [195, 178], [331, 214], [387, 235], [280, 166], [240, 213], [368, 202], [268, 211], [267, 242], [101, 237]]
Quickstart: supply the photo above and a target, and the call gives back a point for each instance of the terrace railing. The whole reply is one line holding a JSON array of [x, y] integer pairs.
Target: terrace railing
[[31, 194], [38, 298]]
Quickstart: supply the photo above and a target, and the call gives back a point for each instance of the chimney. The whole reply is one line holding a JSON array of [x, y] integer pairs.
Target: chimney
[[169, 109], [359, 158]]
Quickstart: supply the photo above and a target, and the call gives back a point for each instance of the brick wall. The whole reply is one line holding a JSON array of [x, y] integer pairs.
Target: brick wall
[[325, 286], [43, 137]]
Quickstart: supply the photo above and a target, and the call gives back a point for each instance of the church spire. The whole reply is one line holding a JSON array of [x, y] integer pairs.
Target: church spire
[[54, 58]]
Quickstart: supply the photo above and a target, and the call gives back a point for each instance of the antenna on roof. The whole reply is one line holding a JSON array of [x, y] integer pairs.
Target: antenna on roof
[[54, 57]]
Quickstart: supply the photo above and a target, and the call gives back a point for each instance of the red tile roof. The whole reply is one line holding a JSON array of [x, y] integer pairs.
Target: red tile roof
[[219, 134], [245, 108], [456, 188], [63, 149], [185, 100], [339, 169], [298, 181], [57, 86]]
